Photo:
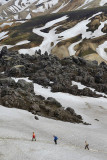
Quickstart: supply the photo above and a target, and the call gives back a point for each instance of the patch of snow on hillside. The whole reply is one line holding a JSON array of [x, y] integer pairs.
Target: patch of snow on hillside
[[23, 42], [79, 28], [20, 5], [81, 86], [62, 6], [16, 17], [43, 5], [48, 37], [71, 48], [51, 2], [103, 2], [101, 50], [39, 9], [98, 32], [8, 46], [85, 3], [6, 24], [4, 12], [28, 16], [19, 43], [3, 35]]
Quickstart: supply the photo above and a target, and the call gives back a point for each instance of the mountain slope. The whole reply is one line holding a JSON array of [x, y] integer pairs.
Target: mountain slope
[[81, 32], [26, 9]]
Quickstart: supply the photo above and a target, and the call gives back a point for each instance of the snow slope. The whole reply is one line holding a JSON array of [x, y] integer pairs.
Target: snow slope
[[81, 104], [16, 127]]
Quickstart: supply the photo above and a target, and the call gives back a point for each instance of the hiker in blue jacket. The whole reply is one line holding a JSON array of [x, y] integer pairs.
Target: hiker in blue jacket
[[55, 139]]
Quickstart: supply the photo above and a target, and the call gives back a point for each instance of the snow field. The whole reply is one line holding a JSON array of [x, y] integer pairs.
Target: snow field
[[15, 138]]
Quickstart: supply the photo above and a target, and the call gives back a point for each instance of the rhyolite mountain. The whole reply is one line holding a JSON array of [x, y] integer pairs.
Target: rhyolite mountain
[[23, 8], [74, 27]]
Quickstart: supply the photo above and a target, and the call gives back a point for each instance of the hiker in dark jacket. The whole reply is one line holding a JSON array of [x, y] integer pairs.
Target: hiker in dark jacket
[[55, 139], [86, 145]]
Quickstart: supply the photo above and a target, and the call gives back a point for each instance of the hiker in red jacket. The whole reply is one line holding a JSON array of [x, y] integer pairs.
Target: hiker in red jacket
[[33, 137]]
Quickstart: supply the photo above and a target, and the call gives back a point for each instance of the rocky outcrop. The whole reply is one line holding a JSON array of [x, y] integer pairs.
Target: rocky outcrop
[[58, 74], [21, 95], [49, 71]]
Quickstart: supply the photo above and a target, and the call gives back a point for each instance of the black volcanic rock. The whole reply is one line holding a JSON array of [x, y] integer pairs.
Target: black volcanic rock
[[3, 52], [48, 71]]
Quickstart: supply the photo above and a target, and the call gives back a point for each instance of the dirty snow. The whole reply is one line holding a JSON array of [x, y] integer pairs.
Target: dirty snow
[[103, 2], [101, 50], [6, 24]]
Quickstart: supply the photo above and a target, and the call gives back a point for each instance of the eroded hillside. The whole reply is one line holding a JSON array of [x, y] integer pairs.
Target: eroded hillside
[[82, 33]]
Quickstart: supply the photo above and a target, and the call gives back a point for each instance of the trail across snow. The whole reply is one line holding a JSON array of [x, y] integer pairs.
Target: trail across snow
[[16, 127]]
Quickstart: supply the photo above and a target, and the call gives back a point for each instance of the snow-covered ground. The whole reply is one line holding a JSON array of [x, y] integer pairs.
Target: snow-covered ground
[[16, 127], [79, 103]]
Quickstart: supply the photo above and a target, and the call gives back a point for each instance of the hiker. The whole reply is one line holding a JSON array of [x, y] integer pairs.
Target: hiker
[[55, 139], [86, 145], [33, 137]]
